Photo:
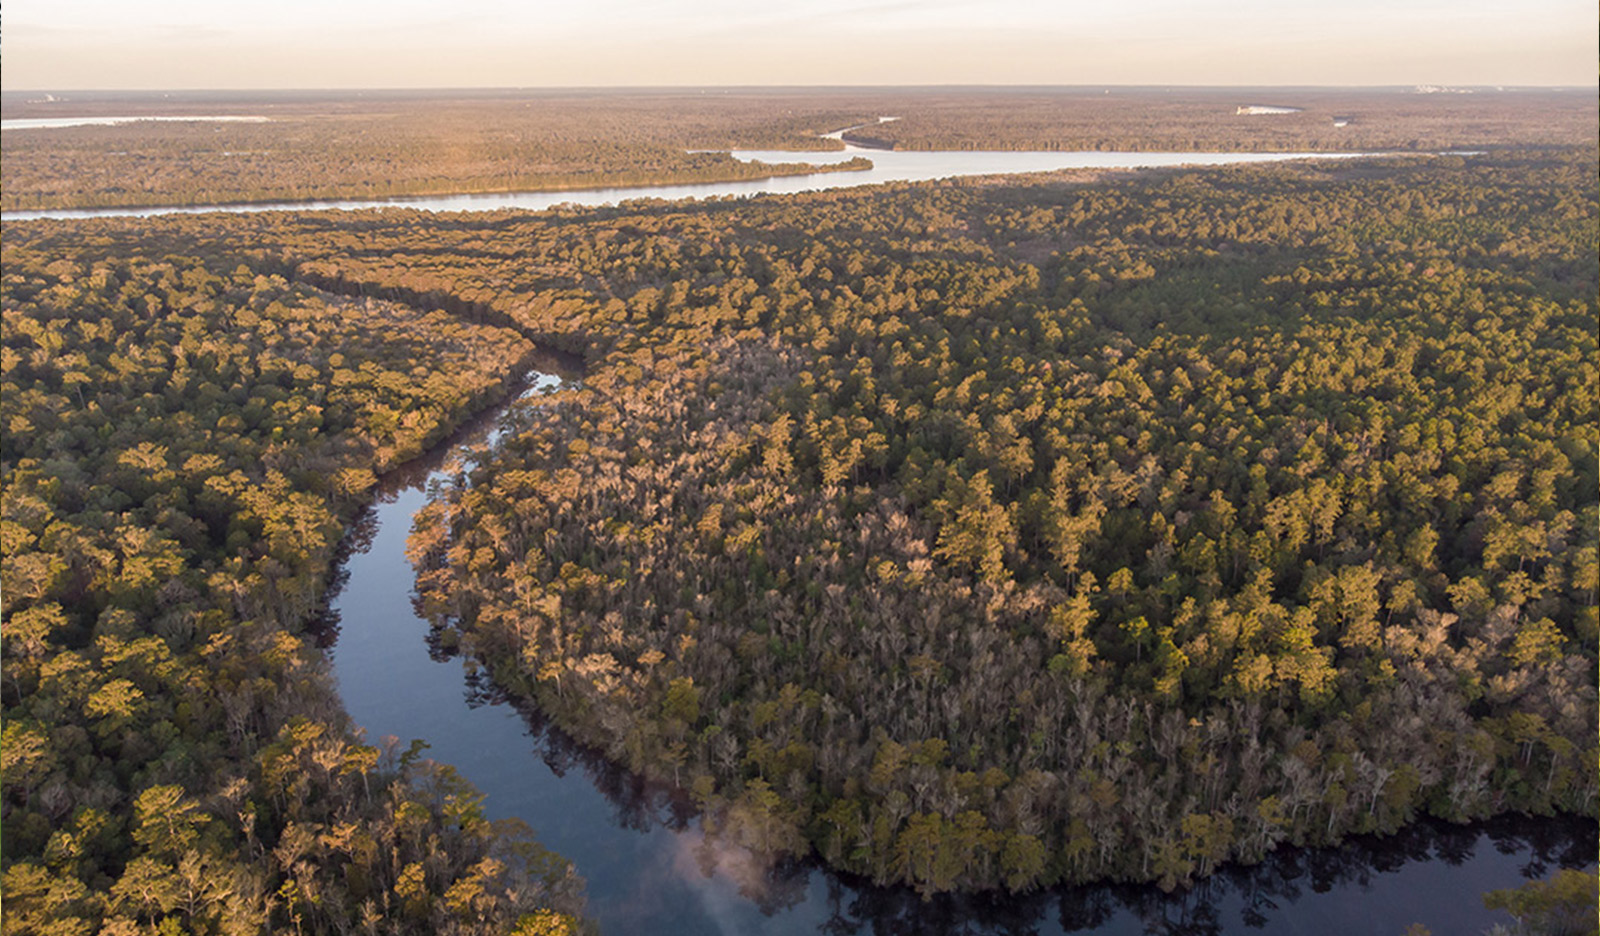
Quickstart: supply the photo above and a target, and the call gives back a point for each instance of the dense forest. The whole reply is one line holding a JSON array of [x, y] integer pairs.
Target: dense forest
[[185, 438], [967, 535], [993, 536]]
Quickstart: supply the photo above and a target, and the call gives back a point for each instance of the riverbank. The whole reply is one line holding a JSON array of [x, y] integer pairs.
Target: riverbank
[[387, 144], [680, 482], [882, 167], [23, 207], [606, 271], [648, 866], [215, 515]]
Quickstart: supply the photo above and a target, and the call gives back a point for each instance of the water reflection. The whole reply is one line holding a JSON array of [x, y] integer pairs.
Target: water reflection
[[650, 866], [549, 369], [887, 166], [1290, 891]]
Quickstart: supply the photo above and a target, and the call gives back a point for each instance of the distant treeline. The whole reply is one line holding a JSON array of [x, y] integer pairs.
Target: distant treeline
[[1185, 120], [327, 147], [165, 169], [355, 149]]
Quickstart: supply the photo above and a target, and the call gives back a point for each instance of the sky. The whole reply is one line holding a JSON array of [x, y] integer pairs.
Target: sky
[[172, 44]]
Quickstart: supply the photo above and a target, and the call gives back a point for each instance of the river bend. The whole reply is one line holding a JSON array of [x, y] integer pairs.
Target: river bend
[[645, 860], [887, 166]]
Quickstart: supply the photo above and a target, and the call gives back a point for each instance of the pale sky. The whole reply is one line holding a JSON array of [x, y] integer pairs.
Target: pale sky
[[171, 44]]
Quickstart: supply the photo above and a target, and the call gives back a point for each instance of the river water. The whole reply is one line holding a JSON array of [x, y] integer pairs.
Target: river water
[[887, 166], [640, 849], [642, 854], [57, 123]]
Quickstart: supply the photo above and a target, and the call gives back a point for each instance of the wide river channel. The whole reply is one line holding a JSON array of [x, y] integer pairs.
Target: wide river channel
[[887, 166], [641, 851]]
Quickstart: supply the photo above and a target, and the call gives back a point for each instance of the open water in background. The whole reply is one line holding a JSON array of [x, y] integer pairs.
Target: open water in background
[[56, 123], [887, 166]]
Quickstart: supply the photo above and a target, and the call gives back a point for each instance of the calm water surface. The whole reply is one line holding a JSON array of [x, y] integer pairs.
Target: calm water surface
[[648, 871], [888, 166], [53, 123]]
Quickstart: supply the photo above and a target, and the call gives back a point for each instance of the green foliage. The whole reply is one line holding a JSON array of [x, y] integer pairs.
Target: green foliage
[[1148, 504], [185, 440], [1564, 904], [853, 522]]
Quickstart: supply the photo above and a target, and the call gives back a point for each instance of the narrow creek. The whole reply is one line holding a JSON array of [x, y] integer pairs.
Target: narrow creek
[[647, 866]]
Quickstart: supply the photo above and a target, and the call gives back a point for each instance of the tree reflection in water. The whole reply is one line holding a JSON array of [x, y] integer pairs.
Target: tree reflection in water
[[446, 455], [1235, 899], [802, 897]]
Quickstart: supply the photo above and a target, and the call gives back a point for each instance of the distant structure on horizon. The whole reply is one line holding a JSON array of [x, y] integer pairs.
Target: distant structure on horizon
[[1267, 109]]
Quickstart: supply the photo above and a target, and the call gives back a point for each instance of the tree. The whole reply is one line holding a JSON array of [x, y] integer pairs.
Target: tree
[[1565, 903]]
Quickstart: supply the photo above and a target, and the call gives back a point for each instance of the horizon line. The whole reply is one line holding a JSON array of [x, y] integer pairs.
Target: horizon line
[[9, 92]]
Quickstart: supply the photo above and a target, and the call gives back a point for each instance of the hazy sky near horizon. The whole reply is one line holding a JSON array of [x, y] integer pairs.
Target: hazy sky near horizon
[[81, 44]]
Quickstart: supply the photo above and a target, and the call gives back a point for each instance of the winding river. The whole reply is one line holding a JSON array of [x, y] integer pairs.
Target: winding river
[[647, 867], [640, 850], [887, 166]]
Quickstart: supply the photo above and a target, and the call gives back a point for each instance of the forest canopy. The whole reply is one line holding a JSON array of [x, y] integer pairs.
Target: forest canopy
[[186, 435], [981, 536], [967, 535]]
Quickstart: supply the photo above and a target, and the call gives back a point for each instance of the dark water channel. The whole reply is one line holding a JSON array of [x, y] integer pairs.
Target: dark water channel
[[648, 868]]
